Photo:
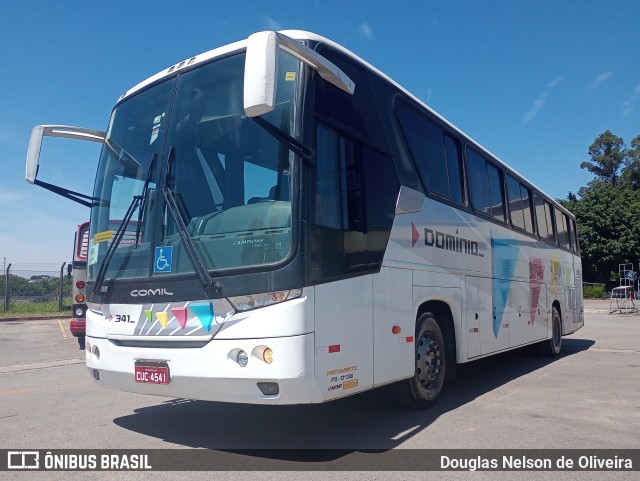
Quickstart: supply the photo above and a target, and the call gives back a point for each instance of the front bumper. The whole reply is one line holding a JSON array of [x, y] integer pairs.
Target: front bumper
[[210, 372]]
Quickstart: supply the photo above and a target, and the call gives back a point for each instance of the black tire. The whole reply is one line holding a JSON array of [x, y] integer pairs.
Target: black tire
[[422, 390], [551, 347]]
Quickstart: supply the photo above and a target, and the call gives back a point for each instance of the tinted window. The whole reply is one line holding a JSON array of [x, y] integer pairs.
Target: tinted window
[[515, 202], [496, 192], [436, 154], [478, 182], [574, 234], [562, 226], [551, 225], [357, 112], [356, 193], [454, 164], [519, 204], [544, 219], [330, 211], [485, 186]]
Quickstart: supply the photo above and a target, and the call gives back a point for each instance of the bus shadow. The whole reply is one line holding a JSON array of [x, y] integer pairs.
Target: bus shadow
[[367, 421]]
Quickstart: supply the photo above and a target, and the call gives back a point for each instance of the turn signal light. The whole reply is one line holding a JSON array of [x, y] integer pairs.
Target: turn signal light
[[267, 356], [396, 329], [79, 298]]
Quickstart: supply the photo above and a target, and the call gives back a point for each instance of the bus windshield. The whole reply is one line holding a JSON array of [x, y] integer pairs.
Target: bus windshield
[[231, 177]]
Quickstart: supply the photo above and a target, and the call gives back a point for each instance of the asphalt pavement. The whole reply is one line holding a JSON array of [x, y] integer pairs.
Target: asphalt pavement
[[587, 398]]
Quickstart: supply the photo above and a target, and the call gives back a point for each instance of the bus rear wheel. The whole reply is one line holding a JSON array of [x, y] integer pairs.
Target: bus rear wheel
[[551, 347], [421, 390]]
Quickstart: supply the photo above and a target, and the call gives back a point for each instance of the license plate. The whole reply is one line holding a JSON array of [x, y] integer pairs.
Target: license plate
[[152, 372]]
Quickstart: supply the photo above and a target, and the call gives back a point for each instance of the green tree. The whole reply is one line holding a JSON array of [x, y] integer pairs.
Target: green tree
[[608, 154], [631, 171], [608, 221]]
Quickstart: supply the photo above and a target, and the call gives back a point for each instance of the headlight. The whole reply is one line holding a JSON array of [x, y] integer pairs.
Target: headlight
[[242, 358], [246, 303]]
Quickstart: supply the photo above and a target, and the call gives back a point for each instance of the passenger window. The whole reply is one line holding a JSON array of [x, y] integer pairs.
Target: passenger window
[[515, 202], [485, 186], [436, 154], [454, 163], [496, 192], [330, 189], [551, 226], [519, 204], [358, 112], [478, 182], [562, 227], [527, 212], [574, 233], [356, 193], [543, 218]]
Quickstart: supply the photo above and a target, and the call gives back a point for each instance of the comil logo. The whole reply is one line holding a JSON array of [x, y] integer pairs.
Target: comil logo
[[151, 292], [23, 460]]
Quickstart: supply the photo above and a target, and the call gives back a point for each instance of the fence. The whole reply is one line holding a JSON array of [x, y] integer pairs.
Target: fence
[[28, 284]]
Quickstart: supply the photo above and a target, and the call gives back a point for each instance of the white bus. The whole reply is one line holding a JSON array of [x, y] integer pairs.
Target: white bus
[[301, 228]]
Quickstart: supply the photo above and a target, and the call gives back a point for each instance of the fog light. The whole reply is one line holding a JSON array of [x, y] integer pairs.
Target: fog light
[[267, 356], [96, 374], [242, 358], [269, 388]]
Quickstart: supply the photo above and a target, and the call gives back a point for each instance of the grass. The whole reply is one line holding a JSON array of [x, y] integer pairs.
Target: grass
[[34, 309], [594, 291]]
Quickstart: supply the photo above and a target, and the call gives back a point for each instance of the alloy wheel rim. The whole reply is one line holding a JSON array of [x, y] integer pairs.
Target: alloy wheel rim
[[428, 362]]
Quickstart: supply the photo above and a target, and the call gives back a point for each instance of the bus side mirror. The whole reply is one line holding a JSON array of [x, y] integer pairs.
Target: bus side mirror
[[40, 131], [261, 67], [33, 155]]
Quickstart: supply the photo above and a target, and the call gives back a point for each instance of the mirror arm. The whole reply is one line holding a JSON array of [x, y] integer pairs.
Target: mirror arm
[[69, 194]]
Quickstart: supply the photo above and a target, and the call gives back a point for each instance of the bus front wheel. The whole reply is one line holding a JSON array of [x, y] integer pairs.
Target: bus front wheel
[[423, 388]]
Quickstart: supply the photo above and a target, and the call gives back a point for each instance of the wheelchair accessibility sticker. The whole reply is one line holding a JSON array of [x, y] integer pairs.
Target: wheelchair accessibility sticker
[[162, 261]]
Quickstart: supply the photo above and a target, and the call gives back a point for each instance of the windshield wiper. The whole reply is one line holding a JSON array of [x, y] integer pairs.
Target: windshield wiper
[[144, 195], [294, 145], [138, 201], [208, 284]]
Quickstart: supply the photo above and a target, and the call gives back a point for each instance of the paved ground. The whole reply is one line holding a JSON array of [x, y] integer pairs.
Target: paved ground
[[588, 398]]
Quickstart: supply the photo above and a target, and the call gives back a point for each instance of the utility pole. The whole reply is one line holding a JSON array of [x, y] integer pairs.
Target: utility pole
[[61, 286], [6, 286]]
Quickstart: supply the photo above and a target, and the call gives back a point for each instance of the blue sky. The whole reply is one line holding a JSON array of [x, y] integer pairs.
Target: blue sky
[[535, 82]]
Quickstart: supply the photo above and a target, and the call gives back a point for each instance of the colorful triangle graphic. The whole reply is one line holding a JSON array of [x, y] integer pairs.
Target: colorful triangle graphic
[[163, 317], [181, 315], [204, 312], [504, 256], [149, 314]]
